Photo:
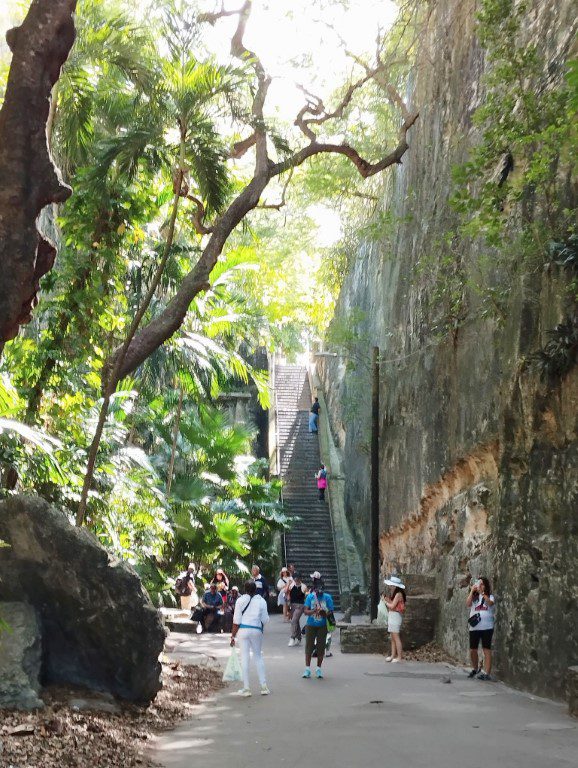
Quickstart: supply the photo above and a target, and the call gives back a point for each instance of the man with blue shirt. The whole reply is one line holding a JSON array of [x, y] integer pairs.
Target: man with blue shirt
[[318, 604], [212, 603]]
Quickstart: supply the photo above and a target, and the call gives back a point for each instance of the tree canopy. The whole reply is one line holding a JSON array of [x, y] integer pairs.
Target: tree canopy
[[191, 240]]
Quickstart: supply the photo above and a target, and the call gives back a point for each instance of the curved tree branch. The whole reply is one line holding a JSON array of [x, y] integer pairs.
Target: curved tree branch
[[28, 178], [239, 148], [199, 216]]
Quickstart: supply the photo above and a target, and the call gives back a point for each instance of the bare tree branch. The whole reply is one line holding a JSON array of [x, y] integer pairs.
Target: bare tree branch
[[239, 148], [212, 18], [322, 116], [199, 216], [365, 168], [28, 178], [283, 201]]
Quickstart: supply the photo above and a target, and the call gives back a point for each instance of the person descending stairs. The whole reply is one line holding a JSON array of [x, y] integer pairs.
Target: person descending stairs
[[309, 544]]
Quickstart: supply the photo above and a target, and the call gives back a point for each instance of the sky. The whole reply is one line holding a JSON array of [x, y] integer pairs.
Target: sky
[[299, 43]]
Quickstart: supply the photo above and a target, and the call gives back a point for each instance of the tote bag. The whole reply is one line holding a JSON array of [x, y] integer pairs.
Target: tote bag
[[233, 669]]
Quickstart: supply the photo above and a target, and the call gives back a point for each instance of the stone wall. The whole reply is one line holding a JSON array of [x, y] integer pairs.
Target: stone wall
[[478, 457]]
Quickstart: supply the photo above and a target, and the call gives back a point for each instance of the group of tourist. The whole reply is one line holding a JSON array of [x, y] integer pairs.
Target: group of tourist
[[222, 609], [297, 599], [213, 611]]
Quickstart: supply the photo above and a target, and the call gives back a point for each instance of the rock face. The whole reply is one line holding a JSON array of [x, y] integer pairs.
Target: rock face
[[99, 627], [478, 456], [20, 651]]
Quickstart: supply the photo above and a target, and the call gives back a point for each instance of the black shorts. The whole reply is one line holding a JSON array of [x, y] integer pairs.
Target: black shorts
[[485, 635]]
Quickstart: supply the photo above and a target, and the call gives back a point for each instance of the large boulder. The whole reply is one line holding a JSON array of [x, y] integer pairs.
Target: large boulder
[[20, 651], [100, 629]]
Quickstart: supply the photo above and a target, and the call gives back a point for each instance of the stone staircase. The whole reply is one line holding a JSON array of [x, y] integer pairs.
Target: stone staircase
[[309, 544]]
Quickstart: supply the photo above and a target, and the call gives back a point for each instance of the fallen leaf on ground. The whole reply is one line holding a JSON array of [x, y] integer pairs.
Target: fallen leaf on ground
[[101, 739]]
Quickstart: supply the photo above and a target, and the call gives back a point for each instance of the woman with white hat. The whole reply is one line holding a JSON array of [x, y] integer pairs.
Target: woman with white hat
[[396, 607]]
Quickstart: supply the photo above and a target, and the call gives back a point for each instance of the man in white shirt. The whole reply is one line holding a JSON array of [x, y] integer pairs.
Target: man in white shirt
[[249, 620]]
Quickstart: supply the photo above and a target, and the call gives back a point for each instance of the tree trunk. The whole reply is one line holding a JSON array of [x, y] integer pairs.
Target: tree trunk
[[174, 441], [28, 177]]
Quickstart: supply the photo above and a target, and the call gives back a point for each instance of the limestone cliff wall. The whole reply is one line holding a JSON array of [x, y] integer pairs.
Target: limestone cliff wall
[[478, 458]]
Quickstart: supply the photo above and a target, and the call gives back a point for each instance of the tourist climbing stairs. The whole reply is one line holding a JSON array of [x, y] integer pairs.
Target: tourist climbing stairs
[[309, 544]]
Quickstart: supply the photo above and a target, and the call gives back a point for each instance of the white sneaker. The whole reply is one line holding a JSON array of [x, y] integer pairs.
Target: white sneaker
[[245, 692], [395, 661], [389, 658], [291, 643], [199, 628], [264, 690]]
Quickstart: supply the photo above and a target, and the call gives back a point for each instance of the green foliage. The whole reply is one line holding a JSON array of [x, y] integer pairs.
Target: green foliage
[[510, 196], [527, 138], [565, 254], [137, 105], [560, 354]]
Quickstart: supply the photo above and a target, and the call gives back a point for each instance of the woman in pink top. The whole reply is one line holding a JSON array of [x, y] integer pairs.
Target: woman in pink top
[[396, 607], [321, 478]]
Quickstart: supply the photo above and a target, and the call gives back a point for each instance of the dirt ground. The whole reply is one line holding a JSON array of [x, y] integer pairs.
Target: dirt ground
[[61, 737], [431, 653]]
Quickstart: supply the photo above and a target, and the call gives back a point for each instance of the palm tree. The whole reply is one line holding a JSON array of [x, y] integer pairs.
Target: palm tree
[[109, 68], [131, 114], [173, 131]]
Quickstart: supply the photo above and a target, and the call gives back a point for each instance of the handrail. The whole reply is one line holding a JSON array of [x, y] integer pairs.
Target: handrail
[[278, 456], [326, 460]]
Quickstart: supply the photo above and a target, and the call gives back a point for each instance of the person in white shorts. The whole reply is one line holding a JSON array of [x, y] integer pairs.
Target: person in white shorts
[[396, 607], [249, 620]]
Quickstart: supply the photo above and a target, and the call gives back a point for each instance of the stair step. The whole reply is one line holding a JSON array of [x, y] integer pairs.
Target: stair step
[[309, 543]]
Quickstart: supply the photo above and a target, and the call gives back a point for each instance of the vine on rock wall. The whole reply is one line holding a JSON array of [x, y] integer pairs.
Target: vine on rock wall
[[513, 196]]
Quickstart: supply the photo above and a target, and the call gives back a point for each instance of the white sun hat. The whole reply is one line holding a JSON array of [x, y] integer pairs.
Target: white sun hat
[[395, 581], [315, 575]]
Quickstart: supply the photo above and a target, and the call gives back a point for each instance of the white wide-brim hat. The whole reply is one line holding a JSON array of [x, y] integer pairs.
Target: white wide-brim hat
[[395, 581]]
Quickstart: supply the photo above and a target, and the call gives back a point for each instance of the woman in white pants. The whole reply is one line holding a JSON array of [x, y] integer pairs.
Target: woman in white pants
[[249, 619]]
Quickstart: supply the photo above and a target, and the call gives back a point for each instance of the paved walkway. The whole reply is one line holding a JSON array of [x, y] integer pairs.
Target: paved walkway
[[364, 713]]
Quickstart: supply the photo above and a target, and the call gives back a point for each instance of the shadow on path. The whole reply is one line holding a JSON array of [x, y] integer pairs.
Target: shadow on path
[[365, 713]]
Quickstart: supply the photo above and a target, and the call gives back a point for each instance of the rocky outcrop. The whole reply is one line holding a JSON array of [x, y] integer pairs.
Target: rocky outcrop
[[478, 455], [20, 651], [99, 627]]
